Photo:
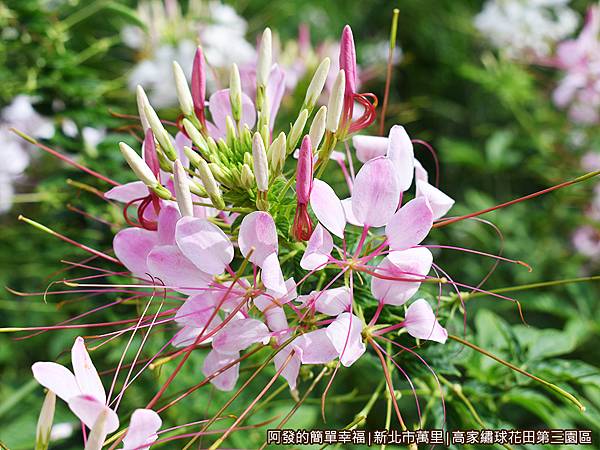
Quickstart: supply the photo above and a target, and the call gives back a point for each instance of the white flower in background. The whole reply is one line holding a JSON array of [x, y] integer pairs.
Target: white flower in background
[[173, 36], [14, 151], [526, 29]]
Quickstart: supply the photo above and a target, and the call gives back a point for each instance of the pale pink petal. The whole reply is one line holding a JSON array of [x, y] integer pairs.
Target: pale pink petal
[[265, 302], [439, 202], [167, 220], [127, 192], [318, 249], [277, 321], [404, 266], [132, 246], [238, 335], [181, 140], [332, 302], [292, 368], [271, 275], [410, 225], [204, 244], [376, 192], [258, 231], [327, 207], [85, 373], [400, 151], [170, 267], [188, 335], [143, 426], [345, 334], [369, 147], [215, 361], [87, 409], [275, 91], [421, 322], [196, 312], [315, 347], [420, 172], [220, 108], [56, 378], [350, 218]]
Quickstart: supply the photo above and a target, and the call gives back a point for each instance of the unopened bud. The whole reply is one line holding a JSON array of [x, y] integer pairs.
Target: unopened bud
[[264, 59], [304, 172], [182, 190], [219, 173], [192, 155], [195, 136], [317, 127], [142, 100], [297, 130], [230, 131], [317, 83], [44, 425], [261, 166], [247, 177], [186, 103], [235, 93], [210, 184], [138, 165], [336, 102], [98, 432], [277, 153], [197, 189], [161, 135]]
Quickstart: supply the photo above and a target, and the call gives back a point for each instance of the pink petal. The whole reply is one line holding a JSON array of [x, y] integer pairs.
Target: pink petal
[[220, 108], [204, 244], [143, 426], [369, 147], [277, 321], [275, 91], [265, 302], [350, 218], [188, 335], [87, 409], [132, 246], [345, 334], [327, 207], [292, 368], [332, 302], [214, 361], [127, 192], [413, 263], [439, 202], [169, 265], [271, 275], [420, 172], [167, 220], [258, 230], [86, 374], [181, 140], [238, 335], [410, 225], [315, 347], [196, 312], [421, 322], [57, 379], [318, 249], [401, 152], [376, 192]]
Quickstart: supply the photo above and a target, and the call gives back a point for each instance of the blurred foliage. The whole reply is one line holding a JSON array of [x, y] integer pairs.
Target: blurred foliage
[[497, 136]]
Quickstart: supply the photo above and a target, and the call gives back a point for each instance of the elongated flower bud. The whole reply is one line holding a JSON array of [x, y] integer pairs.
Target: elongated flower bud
[[149, 152], [44, 425], [235, 93], [142, 101], [98, 432], [199, 83], [261, 166], [317, 83], [138, 165], [161, 135], [210, 184], [230, 131], [182, 190], [192, 155], [263, 67], [304, 171], [277, 153], [197, 189], [247, 177], [195, 136], [186, 103], [336, 102], [348, 60], [297, 130], [317, 127]]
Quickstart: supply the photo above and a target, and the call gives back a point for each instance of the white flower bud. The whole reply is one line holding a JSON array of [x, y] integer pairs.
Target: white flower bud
[[317, 83], [210, 184], [44, 425], [247, 177], [138, 165], [336, 102], [297, 130], [195, 136], [261, 166], [317, 127], [230, 131], [235, 93], [186, 103], [182, 190], [161, 135], [263, 67], [277, 153], [192, 155], [142, 101]]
